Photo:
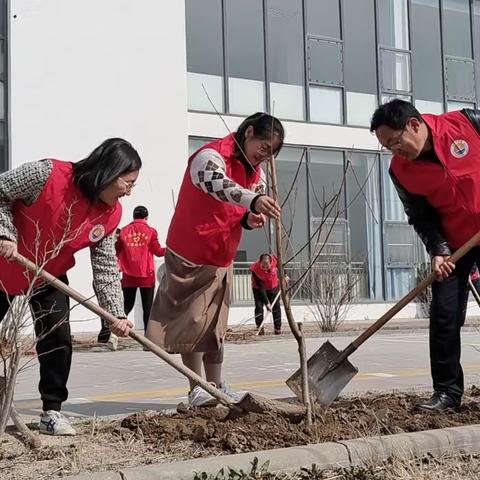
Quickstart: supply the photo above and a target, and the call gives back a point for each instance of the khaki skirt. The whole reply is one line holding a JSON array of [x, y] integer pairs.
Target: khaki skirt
[[190, 310]]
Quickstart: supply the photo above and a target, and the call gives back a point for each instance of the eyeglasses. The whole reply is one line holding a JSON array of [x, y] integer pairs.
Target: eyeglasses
[[396, 143], [128, 184], [264, 149]]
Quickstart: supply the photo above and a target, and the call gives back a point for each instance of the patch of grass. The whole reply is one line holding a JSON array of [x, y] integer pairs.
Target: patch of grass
[[458, 467]]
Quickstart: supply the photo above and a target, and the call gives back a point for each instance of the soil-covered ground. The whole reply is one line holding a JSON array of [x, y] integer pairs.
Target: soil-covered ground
[[149, 437]]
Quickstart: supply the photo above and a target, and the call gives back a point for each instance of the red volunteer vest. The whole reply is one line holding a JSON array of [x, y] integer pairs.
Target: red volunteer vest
[[204, 230], [61, 212], [269, 277], [452, 187], [136, 256]]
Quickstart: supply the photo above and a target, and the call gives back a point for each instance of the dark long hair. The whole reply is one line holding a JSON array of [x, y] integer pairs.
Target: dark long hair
[[114, 157], [264, 127]]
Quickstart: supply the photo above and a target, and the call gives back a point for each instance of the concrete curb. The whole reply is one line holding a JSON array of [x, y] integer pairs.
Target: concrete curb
[[324, 455]]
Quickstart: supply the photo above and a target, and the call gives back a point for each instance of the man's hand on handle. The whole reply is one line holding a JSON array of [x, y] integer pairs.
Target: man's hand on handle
[[442, 267]]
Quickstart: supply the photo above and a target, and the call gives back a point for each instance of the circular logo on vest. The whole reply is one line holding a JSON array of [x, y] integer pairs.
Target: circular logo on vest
[[96, 233], [459, 148]]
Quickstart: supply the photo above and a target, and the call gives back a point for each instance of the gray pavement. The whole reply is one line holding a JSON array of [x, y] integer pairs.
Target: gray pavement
[[110, 383]]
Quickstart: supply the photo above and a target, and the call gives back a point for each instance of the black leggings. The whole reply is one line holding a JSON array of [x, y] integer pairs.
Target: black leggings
[[51, 313], [129, 294]]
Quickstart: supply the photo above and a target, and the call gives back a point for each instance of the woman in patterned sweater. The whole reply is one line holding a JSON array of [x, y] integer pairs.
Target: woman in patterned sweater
[[49, 210]]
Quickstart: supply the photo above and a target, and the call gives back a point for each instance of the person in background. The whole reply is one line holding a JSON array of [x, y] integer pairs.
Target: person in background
[[63, 207], [136, 246], [265, 286], [220, 195]]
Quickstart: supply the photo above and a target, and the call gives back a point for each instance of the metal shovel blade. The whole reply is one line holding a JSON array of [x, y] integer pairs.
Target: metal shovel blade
[[324, 388]]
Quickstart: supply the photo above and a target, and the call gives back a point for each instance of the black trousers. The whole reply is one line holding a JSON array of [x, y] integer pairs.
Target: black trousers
[[51, 314], [447, 316], [260, 302], [129, 294]]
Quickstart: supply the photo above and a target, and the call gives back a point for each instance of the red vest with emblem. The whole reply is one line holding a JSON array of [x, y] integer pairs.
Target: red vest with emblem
[[453, 186], [269, 277], [60, 215], [204, 230], [135, 253]]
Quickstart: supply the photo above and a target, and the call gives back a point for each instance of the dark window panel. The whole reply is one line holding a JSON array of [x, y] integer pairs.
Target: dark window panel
[[359, 46], [325, 61], [204, 36], [460, 79], [246, 58], [323, 18], [393, 23], [325, 182], [426, 50], [395, 71], [457, 28], [285, 41]]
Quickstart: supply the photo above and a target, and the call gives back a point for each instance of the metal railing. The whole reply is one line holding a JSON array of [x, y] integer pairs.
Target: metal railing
[[352, 276]]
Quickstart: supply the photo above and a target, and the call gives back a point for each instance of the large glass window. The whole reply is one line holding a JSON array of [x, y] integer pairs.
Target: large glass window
[[327, 206], [292, 181], [286, 58], [323, 18], [325, 61], [205, 68], [359, 61], [245, 56], [457, 31], [393, 24], [459, 65], [364, 221], [394, 45], [399, 238], [427, 56]]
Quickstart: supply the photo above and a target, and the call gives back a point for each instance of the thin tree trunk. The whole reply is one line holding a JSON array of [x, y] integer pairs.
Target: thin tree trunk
[[297, 333], [9, 390], [32, 439]]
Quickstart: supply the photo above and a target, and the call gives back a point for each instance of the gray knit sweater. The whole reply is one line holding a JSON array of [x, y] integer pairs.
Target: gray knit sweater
[[26, 183]]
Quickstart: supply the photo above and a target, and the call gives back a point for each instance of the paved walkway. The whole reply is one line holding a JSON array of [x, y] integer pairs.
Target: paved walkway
[[108, 383]]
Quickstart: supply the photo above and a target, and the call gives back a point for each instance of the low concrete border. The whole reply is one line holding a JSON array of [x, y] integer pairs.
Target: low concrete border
[[324, 455]]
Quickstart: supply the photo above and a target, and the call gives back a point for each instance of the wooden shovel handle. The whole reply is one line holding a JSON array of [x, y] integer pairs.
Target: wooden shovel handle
[[473, 242], [111, 319]]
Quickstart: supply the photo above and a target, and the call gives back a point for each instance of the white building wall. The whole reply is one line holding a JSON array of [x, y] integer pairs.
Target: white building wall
[[82, 71]]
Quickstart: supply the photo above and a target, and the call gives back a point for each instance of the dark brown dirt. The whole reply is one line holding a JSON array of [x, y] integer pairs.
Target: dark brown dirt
[[148, 437], [348, 418]]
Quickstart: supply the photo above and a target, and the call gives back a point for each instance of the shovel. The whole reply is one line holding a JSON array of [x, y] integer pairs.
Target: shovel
[[249, 403], [329, 370]]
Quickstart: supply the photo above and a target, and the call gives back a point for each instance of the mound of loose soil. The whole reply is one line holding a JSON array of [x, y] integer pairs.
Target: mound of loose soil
[[371, 415], [149, 437]]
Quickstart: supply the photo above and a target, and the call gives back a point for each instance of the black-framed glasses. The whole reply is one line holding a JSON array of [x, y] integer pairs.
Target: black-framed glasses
[[396, 142]]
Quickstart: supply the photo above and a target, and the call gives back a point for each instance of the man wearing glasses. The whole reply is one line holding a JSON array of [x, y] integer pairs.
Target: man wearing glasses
[[435, 169]]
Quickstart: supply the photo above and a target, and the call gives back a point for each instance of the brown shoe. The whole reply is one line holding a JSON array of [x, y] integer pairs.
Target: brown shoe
[[261, 331], [278, 331]]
